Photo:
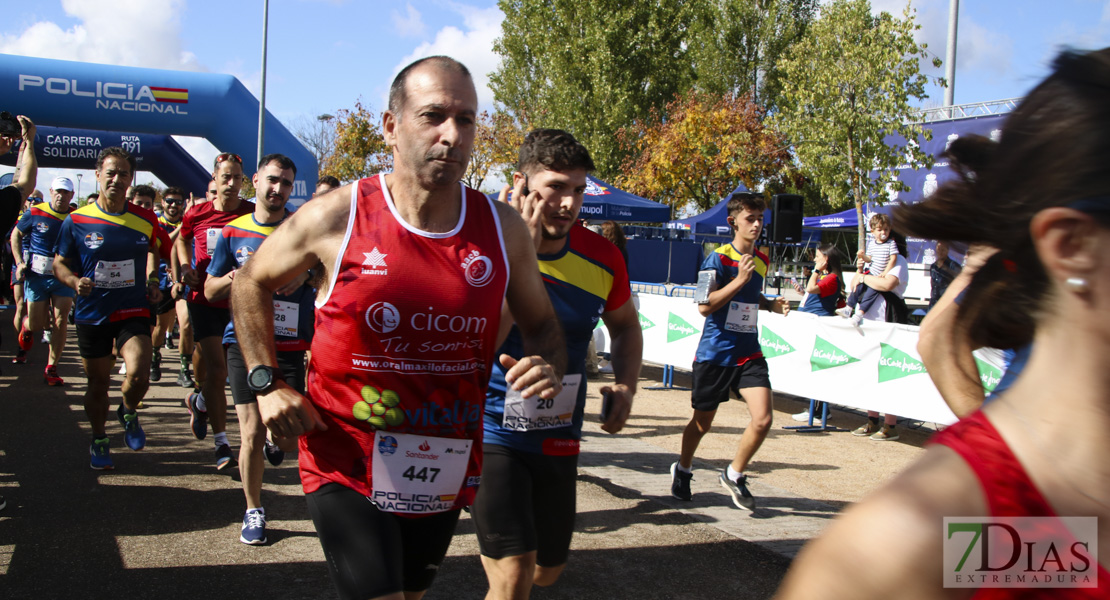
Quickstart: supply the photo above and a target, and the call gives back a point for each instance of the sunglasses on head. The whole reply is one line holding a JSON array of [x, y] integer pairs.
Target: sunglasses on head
[[228, 156]]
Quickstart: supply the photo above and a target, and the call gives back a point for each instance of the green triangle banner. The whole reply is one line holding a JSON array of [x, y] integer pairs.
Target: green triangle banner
[[773, 344], [645, 323], [678, 328], [895, 364], [827, 356], [989, 374]]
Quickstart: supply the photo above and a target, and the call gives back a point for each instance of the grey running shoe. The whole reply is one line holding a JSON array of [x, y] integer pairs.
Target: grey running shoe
[[741, 497]]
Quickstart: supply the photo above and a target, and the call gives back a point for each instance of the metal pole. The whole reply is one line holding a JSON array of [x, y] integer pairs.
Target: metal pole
[[950, 54], [262, 98]]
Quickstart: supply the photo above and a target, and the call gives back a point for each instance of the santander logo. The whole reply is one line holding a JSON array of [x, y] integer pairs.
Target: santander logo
[[424, 447]]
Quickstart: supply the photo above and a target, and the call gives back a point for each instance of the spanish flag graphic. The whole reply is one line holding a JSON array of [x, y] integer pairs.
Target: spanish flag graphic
[[175, 95]]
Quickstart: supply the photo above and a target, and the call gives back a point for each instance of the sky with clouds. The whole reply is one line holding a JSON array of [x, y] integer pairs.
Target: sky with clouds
[[323, 55]]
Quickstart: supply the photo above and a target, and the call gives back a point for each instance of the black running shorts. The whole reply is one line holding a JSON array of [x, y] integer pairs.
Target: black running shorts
[[712, 383], [372, 553], [290, 363], [208, 321], [526, 502], [166, 304], [95, 341]]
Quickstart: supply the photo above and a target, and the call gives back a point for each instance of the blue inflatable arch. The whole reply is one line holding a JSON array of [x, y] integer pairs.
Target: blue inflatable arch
[[68, 94], [61, 148]]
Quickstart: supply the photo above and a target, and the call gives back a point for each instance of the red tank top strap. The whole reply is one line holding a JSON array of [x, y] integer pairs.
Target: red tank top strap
[[1008, 489]]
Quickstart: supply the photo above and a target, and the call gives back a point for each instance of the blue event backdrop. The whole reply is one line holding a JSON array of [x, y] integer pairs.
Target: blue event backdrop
[[61, 148], [217, 107], [923, 182]]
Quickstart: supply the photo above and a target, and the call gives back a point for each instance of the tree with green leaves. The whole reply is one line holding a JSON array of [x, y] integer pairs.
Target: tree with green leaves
[[736, 45], [591, 68], [847, 85], [360, 150], [701, 150]]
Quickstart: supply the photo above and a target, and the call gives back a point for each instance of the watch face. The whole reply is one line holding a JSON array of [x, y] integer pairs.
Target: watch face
[[259, 377]]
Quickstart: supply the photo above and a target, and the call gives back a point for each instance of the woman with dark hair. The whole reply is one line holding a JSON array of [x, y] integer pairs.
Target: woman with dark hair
[[611, 231], [1041, 197], [826, 283]]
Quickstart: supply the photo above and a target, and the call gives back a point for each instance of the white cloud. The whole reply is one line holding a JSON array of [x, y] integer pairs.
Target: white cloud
[[411, 24], [472, 46], [108, 35]]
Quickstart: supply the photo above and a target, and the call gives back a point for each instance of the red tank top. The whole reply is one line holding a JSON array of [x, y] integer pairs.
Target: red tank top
[[412, 313], [1010, 493]]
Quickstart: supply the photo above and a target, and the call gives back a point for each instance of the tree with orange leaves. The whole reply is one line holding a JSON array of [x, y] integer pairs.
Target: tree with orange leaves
[[699, 148], [496, 140], [360, 149]]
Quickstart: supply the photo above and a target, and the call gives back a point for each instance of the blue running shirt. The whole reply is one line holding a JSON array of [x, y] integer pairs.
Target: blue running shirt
[[294, 316], [587, 278], [40, 225], [721, 341], [111, 249]]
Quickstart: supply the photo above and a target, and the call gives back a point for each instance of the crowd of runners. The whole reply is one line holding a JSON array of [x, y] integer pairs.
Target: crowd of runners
[[422, 347]]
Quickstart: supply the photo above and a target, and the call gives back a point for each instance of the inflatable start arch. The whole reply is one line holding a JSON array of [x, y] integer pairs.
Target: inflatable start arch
[[68, 94]]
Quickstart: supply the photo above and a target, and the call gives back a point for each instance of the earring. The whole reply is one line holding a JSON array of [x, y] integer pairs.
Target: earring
[[1076, 285]]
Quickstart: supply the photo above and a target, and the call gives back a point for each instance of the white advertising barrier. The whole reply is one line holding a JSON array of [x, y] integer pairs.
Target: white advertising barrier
[[874, 367]]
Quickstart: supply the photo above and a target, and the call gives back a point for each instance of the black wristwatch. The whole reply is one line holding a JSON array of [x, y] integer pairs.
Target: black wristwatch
[[261, 378]]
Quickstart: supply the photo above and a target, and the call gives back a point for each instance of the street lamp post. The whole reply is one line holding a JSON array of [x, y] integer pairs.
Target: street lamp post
[[78, 188]]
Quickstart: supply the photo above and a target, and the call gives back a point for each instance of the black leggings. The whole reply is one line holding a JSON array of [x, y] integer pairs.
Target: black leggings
[[372, 553]]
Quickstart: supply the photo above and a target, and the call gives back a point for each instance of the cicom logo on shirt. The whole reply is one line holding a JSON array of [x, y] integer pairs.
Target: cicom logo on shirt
[[42, 227], [478, 269], [383, 317], [94, 240]]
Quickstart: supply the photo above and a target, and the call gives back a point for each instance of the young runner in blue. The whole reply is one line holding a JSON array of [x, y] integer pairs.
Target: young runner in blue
[[293, 327], [525, 507], [729, 357], [108, 251]]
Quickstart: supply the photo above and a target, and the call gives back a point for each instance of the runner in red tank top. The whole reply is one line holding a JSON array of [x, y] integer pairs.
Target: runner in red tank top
[[416, 268], [1012, 501], [200, 231]]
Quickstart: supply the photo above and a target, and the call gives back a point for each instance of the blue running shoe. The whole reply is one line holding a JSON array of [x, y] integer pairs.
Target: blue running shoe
[[223, 457], [254, 527], [198, 419], [273, 454], [133, 433], [99, 457]]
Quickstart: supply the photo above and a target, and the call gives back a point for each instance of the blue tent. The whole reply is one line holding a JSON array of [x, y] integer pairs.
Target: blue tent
[[713, 221], [604, 202]]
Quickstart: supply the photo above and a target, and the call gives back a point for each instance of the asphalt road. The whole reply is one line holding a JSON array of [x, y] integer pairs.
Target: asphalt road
[[165, 523]]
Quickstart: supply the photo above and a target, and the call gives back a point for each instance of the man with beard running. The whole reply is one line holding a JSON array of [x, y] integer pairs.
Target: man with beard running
[[170, 308], [525, 509], [293, 326], [416, 267], [200, 231]]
